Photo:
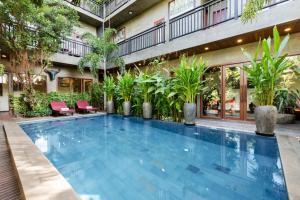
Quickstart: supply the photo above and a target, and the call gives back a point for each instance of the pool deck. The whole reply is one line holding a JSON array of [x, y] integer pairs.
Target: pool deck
[[39, 179], [9, 187]]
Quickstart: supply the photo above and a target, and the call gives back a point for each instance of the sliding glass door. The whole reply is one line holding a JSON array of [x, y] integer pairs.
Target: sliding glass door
[[225, 94]]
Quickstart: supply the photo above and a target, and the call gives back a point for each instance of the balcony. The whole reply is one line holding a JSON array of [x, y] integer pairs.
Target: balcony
[[71, 52], [88, 10], [113, 5], [216, 23], [143, 40], [208, 15], [74, 48]]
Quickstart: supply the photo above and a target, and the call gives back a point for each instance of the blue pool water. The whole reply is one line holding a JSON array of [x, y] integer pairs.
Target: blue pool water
[[116, 158]]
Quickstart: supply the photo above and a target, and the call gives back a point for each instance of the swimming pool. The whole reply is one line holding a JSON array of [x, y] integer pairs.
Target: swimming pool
[[116, 158]]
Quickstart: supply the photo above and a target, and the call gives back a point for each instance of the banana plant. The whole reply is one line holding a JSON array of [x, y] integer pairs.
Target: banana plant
[[146, 84], [126, 85], [188, 81], [109, 87], [266, 72]]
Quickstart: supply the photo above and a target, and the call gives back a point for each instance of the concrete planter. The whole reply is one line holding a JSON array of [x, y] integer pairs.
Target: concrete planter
[[189, 110], [265, 119], [147, 110], [126, 108], [110, 107], [285, 118]]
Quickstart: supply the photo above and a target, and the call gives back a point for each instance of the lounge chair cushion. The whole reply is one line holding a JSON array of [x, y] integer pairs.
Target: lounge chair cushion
[[64, 109]]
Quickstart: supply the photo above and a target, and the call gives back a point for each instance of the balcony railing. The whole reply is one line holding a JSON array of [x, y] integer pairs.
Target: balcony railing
[[74, 48], [207, 15], [113, 5], [146, 39], [90, 6]]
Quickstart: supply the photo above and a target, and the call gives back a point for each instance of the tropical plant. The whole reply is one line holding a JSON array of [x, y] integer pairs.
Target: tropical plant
[[251, 9], [265, 74], [36, 30], [2, 69], [166, 101], [109, 87], [146, 84], [188, 83], [102, 52], [96, 94], [285, 100], [125, 85]]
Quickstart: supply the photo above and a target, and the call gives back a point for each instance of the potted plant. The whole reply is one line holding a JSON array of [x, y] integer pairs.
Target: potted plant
[[188, 84], [109, 87], [125, 89], [265, 75], [285, 102], [147, 88]]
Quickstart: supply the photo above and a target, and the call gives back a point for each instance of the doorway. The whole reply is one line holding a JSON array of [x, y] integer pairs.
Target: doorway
[[225, 94]]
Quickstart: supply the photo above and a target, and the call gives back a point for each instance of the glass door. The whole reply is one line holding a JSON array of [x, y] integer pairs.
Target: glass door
[[232, 92], [211, 99]]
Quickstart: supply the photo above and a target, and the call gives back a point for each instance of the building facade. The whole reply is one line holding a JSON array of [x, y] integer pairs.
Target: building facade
[[214, 31], [211, 29]]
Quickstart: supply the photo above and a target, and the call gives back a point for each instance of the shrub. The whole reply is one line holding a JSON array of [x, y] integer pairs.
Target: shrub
[[42, 103], [97, 95]]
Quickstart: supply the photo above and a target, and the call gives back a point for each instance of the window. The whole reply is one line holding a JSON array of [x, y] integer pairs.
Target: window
[[178, 7], [39, 82], [68, 84]]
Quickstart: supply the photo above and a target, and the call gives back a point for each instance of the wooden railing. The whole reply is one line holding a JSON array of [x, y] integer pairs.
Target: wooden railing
[[143, 40]]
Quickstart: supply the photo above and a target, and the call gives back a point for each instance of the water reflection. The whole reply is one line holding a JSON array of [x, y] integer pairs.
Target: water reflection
[[142, 159]]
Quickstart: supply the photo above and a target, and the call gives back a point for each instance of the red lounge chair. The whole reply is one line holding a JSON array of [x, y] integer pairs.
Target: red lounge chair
[[84, 106], [60, 107]]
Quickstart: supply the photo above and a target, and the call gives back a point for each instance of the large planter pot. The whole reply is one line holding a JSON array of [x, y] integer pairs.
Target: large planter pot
[[265, 119], [285, 118], [147, 110], [126, 108], [110, 107], [189, 111]]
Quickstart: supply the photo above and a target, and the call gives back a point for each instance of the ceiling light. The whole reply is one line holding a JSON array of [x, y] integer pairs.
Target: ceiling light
[[239, 41], [288, 29], [206, 48]]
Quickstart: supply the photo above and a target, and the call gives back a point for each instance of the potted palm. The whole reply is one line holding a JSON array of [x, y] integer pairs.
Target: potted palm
[[188, 84], [109, 87], [265, 76], [146, 85], [125, 89]]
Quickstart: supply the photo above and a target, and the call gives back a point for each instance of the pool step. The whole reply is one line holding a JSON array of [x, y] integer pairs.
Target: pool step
[[9, 188]]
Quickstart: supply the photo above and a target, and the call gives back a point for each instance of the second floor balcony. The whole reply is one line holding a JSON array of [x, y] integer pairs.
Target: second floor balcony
[[208, 15]]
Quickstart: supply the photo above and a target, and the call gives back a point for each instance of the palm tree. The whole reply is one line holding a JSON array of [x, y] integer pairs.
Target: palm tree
[[102, 52]]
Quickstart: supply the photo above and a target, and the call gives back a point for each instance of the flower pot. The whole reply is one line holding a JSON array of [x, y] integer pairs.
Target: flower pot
[[110, 107], [189, 111], [126, 108], [265, 119], [285, 118], [147, 110]]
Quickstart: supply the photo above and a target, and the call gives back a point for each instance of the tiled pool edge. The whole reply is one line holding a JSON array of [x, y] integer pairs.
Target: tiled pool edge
[[289, 149], [38, 178]]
